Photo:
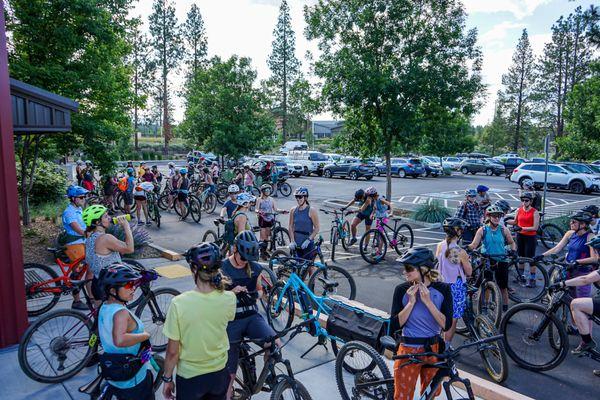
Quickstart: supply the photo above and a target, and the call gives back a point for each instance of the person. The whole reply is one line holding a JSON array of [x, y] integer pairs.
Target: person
[[215, 171], [147, 176], [239, 177], [583, 308], [363, 214], [108, 188], [128, 193], [483, 197], [382, 207], [470, 211], [242, 269], [527, 221], [88, 177], [274, 179], [595, 224], [454, 266], [173, 183], [421, 308], [494, 239], [191, 169], [141, 170], [172, 170], [121, 332], [158, 178], [266, 210], [240, 215], [529, 187], [505, 207], [199, 347], [207, 180], [230, 205], [79, 168], [183, 189], [140, 195], [74, 227], [303, 226], [248, 179]]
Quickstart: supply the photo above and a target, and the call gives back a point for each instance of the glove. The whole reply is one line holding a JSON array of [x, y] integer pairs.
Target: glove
[[572, 265], [292, 246], [512, 253], [538, 258], [305, 244]]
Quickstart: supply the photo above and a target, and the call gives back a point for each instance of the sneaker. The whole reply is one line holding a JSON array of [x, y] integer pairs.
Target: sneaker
[[148, 223], [583, 348], [352, 241], [79, 305], [140, 223], [596, 372], [531, 283]]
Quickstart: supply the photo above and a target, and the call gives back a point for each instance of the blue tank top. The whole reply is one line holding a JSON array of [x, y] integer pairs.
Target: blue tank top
[[367, 211], [576, 249], [303, 225], [381, 210], [105, 328], [494, 243]]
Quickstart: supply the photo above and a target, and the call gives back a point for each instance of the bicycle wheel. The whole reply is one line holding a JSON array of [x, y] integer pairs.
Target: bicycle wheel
[[403, 238], [39, 289], [163, 202], [332, 280], [494, 358], [195, 208], [222, 194], [526, 328], [156, 212], [333, 239], [285, 390], [266, 280], [153, 312], [550, 235], [56, 346], [280, 237], [374, 249], [360, 357], [285, 189], [210, 236], [346, 235], [280, 317], [210, 203], [562, 314], [519, 289], [490, 302]]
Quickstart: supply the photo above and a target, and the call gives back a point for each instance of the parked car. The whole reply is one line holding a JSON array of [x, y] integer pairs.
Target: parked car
[[508, 155], [432, 168], [540, 160], [333, 157], [350, 167], [294, 169], [560, 176], [597, 162], [451, 162], [196, 155], [293, 145], [579, 167], [474, 165], [312, 162], [595, 168], [511, 163], [403, 167]]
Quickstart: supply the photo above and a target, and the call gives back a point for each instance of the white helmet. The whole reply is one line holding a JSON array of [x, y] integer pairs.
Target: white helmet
[[171, 164], [233, 188], [370, 191]]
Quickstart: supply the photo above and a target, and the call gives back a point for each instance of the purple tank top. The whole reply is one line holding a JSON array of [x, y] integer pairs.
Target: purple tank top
[[576, 249], [450, 267]]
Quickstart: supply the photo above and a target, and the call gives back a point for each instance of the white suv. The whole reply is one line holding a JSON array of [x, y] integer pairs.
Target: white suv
[[559, 177]]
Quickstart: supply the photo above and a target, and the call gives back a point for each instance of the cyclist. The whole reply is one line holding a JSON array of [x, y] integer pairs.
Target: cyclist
[[147, 176], [303, 226], [527, 221], [454, 266], [363, 214], [130, 165], [173, 183], [128, 192], [494, 239], [215, 171], [529, 186], [108, 188], [207, 180], [191, 168], [266, 209], [88, 177], [141, 169], [230, 205], [274, 178], [79, 168], [158, 178], [243, 271], [483, 197], [505, 207], [74, 227], [139, 194], [183, 188], [248, 179], [172, 170], [470, 211], [198, 347], [595, 224], [121, 332], [381, 209], [239, 177], [422, 308]]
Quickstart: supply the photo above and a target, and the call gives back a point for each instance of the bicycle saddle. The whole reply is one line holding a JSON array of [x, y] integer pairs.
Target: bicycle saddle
[[388, 343], [219, 221], [92, 387]]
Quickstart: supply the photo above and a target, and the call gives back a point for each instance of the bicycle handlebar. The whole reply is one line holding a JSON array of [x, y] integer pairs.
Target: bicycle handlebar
[[296, 328], [448, 354]]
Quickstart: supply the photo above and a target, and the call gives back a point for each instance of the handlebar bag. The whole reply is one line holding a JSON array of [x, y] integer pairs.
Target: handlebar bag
[[350, 323], [119, 367]]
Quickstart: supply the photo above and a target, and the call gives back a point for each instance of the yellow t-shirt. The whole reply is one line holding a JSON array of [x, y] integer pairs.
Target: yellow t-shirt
[[199, 322]]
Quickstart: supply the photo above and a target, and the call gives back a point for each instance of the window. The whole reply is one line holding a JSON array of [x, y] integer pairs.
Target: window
[[555, 169], [317, 157]]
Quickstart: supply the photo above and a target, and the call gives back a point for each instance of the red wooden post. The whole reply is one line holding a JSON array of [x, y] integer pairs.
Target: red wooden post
[[13, 311]]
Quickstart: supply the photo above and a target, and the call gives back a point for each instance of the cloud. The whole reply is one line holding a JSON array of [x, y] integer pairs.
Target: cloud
[[497, 35], [519, 8]]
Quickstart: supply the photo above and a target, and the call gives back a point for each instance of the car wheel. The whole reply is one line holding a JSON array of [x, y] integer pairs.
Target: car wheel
[[368, 177], [327, 173], [402, 173], [353, 175], [464, 170], [489, 172], [306, 172], [577, 187]]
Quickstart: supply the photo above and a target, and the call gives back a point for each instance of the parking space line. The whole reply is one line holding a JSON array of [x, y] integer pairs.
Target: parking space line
[[416, 199], [514, 197], [550, 202]]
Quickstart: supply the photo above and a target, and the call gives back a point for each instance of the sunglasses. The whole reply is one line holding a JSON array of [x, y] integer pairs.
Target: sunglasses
[[299, 197], [80, 197], [130, 285], [526, 200], [471, 196], [495, 215]]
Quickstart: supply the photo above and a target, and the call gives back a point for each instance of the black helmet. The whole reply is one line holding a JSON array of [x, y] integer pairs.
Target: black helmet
[[418, 257], [359, 194], [451, 223], [592, 209], [582, 217], [115, 275], [503, 205], [595, 242], [247, 245], [526, 195], [204, 256]]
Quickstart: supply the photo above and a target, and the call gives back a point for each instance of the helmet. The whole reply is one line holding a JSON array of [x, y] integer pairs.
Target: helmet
[[183, 171], [171, 164], [582, 216], [88, 162], [205, 170], [595, 242], [470, 192], [359, 194], [418, 257], [190, 163], [266, 186], [370, 191], [451, 223], [493, 210], [482, 188], [503, 204], [129, 162], [76, 191], [79, 162], [155, 167], [247, 245], [301, 191], [527, 195], [233, 189], [527, 183], [92, 213], [205, 256], [130, 171], [244, 199], [592, 209], [115, 275]]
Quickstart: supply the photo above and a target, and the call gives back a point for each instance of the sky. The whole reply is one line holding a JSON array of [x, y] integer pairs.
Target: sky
[[245, 28]]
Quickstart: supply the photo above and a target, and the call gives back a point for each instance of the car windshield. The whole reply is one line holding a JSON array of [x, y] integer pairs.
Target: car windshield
[[580, 168], [414, 161], [317, 157], [570, 169]]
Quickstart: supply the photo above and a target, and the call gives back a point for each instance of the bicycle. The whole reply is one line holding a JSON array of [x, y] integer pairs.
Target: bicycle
[[519, 290], [373, 379], [207, 198], [280, 236], [153, 209], [61, 343], [549, 234], [191, 205], [489, 301], [269, 379], [340, 230], [374, 242]]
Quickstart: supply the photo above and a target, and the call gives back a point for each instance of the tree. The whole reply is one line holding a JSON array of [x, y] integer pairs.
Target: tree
[[225, 114], [381, 60], [168, 50], [284, 65], [518, 86], [495, 135], [196, 43]]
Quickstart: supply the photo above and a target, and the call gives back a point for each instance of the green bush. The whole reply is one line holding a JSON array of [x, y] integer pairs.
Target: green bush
[[562, 222], [432, 212], [51, 211], [49, 183]]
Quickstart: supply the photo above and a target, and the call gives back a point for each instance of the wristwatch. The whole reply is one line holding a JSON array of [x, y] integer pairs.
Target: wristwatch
[[167, 379]]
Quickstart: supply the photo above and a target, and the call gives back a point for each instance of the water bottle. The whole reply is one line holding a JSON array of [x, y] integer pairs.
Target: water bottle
[[127, 217]]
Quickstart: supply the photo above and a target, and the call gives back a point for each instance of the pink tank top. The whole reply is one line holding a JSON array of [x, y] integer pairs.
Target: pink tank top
[[450, 267]]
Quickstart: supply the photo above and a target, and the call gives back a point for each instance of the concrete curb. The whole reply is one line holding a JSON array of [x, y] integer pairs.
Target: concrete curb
[[166, 253]]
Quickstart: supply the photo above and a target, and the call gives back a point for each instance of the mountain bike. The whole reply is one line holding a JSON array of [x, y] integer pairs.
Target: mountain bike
[[489, 298], [207, 198], [340, 230], [519, 289], [280, 236], [370, 377], [120, 202], [374, 242], [165, 204], [153, 209], [61, 343], [549, 234]]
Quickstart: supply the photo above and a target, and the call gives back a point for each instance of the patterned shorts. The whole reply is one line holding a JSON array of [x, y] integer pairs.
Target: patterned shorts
[[459, 297]]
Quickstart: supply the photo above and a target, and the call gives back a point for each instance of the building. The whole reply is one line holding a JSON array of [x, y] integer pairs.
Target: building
[[326, 129]]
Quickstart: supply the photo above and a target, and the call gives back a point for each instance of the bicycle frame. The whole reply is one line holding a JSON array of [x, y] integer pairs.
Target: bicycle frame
[[381, 224], [67, 270]]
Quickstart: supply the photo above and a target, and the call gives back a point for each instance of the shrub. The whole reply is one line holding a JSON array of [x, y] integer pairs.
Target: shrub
[[141, 237], [49, 183], [51, 211], [432, 212], [562, 222]]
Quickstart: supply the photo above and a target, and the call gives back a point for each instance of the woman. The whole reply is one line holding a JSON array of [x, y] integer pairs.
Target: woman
[[363, 214], [248, 179], [495, 238], [239, 177], [207, 180], [108, 188], [215, 172], [121, 332], [196, 327], [594, 211], [140, 195], [266, 210], [527, 219], [381, 210], [274, 178], [230, 205], [454, 266], [183, 188], [483, 197], [421, 309], [240, 217], [242, 269], [303, 226], [173, 183]]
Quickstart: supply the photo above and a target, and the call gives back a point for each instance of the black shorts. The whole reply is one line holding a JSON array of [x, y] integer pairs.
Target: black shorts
[[363, 217], [182, 196], [500, 269], [211, 386], [526, 245], [141, 391], [596, 303], [128, 197], [265, 224], [253, 327], [140, 198]]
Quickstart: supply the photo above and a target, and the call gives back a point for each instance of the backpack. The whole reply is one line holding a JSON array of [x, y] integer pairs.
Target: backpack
[[229, 234], [123, 184]]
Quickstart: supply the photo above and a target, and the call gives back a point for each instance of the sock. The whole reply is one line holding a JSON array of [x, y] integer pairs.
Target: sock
[[586, 338]]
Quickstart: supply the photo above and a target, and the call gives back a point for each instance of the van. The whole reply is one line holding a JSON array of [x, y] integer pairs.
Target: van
[[293, 145], [312, 162]]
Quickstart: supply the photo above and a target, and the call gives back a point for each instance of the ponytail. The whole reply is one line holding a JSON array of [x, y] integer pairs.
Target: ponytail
[[216, 279], [432, 274]]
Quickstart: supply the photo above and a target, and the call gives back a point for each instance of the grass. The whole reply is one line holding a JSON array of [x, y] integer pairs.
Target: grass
[[159, 140], [51, 211]]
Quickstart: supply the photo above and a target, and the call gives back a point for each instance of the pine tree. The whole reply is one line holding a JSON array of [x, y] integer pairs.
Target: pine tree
[[284, 65], [194, 35], [518, 86], [168, 50]]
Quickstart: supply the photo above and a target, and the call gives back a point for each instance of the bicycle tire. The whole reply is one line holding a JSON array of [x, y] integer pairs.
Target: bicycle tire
[[493, 308], [333, 239], [521, 293], [550, 235], [285, 311], [280, 237], [59, 340], [562, 314], [163, 202], [267, 280], [195, 208], [385, 390], [485, 329], [154, 321], [31, 278], [327, 273], [157, 215], [286, 384], [346, 236], [210, 203], [511, 342], [404, 236], [376, 239], [285, 189], [276, 268]]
